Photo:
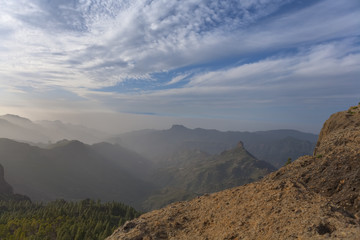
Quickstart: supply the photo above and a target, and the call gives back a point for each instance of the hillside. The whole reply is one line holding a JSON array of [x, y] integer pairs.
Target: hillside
[[194, 173], [315, 197], [73, 170], [274, 146]]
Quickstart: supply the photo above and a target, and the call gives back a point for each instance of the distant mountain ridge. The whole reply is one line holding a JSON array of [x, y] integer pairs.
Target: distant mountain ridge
[[22, 129], [274, 146]]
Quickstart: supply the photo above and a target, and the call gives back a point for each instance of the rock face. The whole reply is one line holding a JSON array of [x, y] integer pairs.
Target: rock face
[[315, 197], [6, 191], [5, 188]]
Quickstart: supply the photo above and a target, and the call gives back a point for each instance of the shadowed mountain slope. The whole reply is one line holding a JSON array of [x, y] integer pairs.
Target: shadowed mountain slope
[[6, 191], [194, 173], [315, 197], [72, 170]]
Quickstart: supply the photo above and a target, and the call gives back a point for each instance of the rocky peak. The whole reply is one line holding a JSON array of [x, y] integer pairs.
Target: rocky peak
[[240, 145], [177, 127], [15, 119], [339, 130], [5, 188]]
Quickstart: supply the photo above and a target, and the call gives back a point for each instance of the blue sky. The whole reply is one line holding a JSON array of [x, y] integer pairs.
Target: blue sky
[[230, 65]]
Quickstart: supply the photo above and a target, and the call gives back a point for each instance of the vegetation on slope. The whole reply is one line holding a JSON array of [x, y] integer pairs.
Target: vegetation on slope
[[61, 220]]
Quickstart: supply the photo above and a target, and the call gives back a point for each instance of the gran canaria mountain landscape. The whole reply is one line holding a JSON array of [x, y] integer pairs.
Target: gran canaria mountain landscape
[[315, 197], [191, 119]]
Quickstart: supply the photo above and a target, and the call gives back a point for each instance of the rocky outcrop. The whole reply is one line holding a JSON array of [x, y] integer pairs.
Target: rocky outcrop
[[6, 191], [315, 197], [5, 188], [333, 171]]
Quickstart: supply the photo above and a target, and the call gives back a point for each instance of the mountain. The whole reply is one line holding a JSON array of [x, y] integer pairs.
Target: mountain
[[22, 129], [315, 197], [125, 159], [73, 170], [26, 132], [193, 173], [274, 146]]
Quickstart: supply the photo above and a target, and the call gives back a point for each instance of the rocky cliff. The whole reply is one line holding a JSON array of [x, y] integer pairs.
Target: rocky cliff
[[6, 191], [315, 197]]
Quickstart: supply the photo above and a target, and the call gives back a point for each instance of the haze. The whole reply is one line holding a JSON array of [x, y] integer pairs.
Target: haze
[[231, 65]]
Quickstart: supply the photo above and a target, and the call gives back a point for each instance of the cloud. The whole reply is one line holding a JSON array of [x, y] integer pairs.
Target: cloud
[[104, 42], [177, 79], [315, 74]]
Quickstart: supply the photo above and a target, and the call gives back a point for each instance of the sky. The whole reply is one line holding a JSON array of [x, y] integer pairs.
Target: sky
[[228, 65]]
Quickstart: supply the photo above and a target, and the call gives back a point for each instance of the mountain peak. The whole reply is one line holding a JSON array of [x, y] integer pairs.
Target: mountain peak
[[15, 118], [178, 127], [240, 145], [335, 126]]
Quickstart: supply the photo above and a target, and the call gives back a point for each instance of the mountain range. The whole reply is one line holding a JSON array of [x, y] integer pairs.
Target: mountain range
[[24, 130], [274, 146], [146, 169], [72, 170]]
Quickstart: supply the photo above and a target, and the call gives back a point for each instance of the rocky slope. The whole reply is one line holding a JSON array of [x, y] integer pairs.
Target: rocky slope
[[315, 197], [195, 173]]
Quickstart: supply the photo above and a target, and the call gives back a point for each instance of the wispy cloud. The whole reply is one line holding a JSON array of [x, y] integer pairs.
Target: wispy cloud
[[310, 75]]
